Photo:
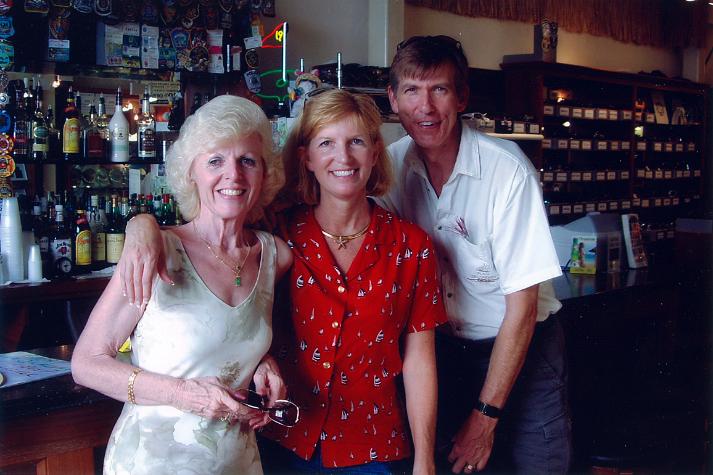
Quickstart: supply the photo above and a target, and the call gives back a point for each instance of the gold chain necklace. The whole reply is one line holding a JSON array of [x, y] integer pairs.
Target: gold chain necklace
[[343, 240], [234, 268]]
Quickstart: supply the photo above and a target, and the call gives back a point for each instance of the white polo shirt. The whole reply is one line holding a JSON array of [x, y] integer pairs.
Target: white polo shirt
[[489, 227]]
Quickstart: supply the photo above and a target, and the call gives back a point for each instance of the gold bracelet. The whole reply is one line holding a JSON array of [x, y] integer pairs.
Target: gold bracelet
[[132, 378]]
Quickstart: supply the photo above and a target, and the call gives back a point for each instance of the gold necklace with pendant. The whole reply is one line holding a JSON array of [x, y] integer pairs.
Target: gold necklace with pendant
[[234, 268], [343, 240]]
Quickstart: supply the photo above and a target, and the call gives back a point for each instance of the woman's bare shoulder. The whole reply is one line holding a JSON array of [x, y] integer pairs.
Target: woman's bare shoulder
[[284, 256]]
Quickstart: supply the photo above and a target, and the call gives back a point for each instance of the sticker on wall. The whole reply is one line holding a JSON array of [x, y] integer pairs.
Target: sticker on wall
[[6, 28], [252, 81]]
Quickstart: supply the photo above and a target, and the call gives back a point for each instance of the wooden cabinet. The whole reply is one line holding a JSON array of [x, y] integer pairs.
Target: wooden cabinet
[[613, 142]]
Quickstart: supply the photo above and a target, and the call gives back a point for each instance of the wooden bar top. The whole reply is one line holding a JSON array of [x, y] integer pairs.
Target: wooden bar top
[[65, 289]]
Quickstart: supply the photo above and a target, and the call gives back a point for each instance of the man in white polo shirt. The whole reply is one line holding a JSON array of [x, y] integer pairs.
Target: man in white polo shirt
[[502, 383]]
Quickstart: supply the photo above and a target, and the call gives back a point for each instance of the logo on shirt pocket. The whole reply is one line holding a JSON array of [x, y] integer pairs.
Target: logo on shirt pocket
[[473, 262]]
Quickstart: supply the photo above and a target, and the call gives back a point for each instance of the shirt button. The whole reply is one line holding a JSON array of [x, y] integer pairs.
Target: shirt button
[[440, 227], [449, 295], [335, 324], [341, 289], [327, 365], [323, 405]]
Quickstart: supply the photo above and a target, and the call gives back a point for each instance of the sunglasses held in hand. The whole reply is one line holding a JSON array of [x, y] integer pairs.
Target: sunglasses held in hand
[[283, 412]]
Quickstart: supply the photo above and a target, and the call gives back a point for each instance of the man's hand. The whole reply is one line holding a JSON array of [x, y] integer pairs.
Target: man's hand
[[473, 443], [143, 256]]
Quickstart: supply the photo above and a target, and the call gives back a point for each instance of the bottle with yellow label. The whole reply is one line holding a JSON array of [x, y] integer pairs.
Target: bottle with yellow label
[[82, 245], [71, 130]]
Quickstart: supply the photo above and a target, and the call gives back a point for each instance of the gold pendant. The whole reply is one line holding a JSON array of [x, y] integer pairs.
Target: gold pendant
[[341, 242]]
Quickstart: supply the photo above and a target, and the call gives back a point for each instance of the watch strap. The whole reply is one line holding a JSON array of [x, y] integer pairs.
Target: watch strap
[[488, 410]]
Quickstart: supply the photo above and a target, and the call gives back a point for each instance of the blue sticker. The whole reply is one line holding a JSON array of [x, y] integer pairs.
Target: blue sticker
[[6, 28]]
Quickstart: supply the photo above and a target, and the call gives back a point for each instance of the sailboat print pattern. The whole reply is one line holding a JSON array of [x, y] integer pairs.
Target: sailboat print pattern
[[344, 356]]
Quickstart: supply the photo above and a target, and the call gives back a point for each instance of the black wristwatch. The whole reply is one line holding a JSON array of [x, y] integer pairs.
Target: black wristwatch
[[487, 409]]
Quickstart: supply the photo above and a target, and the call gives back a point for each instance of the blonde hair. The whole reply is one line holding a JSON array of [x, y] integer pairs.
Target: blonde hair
[[321, 109], [223, 118]]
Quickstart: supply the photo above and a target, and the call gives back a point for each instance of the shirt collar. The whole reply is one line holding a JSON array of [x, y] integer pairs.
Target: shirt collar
[[467, 161]]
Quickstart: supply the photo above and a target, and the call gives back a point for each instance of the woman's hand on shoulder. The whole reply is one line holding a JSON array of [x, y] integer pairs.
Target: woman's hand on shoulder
[[142, 258], [284, 257]]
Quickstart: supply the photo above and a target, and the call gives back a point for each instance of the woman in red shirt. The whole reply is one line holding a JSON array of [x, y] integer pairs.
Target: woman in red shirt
[[365, 299]]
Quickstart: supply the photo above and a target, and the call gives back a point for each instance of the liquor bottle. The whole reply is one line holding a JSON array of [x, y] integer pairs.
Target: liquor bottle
[[115, 234], [83, 126], [50, 208], [102, 209], [143, 205], [98, 233], [69, 207], [61, 246], [107, 207], [40, 133], [93, 143], [156, 205], [124, 209], [103, 126], [41, 231], [21, 124], [71, 130], [147, 129], [176, 116], [82, 244], [167, 217], [39, 93], [133, 207], [55, 134], [119, 132]]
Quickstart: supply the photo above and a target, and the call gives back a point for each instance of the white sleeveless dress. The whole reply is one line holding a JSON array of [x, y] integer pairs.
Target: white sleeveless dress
[[187, 332]]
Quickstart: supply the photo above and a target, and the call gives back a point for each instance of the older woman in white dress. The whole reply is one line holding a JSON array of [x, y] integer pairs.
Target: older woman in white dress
[[203, 338]]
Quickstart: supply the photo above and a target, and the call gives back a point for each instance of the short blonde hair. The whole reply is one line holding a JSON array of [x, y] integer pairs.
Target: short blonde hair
[[223, 118], [321, 109]]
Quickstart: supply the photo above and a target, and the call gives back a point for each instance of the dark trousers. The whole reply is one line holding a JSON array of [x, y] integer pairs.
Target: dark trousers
[[534, 433]]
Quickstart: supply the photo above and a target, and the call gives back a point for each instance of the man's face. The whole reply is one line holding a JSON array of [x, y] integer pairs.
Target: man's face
[[428, 108]]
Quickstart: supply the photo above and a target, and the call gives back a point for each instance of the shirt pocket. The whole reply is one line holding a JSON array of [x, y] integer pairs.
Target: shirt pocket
[[473, 263]]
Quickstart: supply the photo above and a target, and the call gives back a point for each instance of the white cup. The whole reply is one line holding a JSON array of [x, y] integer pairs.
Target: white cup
[[11, 241], [34, 264], [10, 217]]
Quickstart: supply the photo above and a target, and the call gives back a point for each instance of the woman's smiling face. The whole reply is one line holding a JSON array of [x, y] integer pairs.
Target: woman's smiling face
[[341, 156], [229, 177]]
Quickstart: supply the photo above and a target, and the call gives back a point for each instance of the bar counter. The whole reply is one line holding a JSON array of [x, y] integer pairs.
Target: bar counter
[[53, 426], [638, 346]]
